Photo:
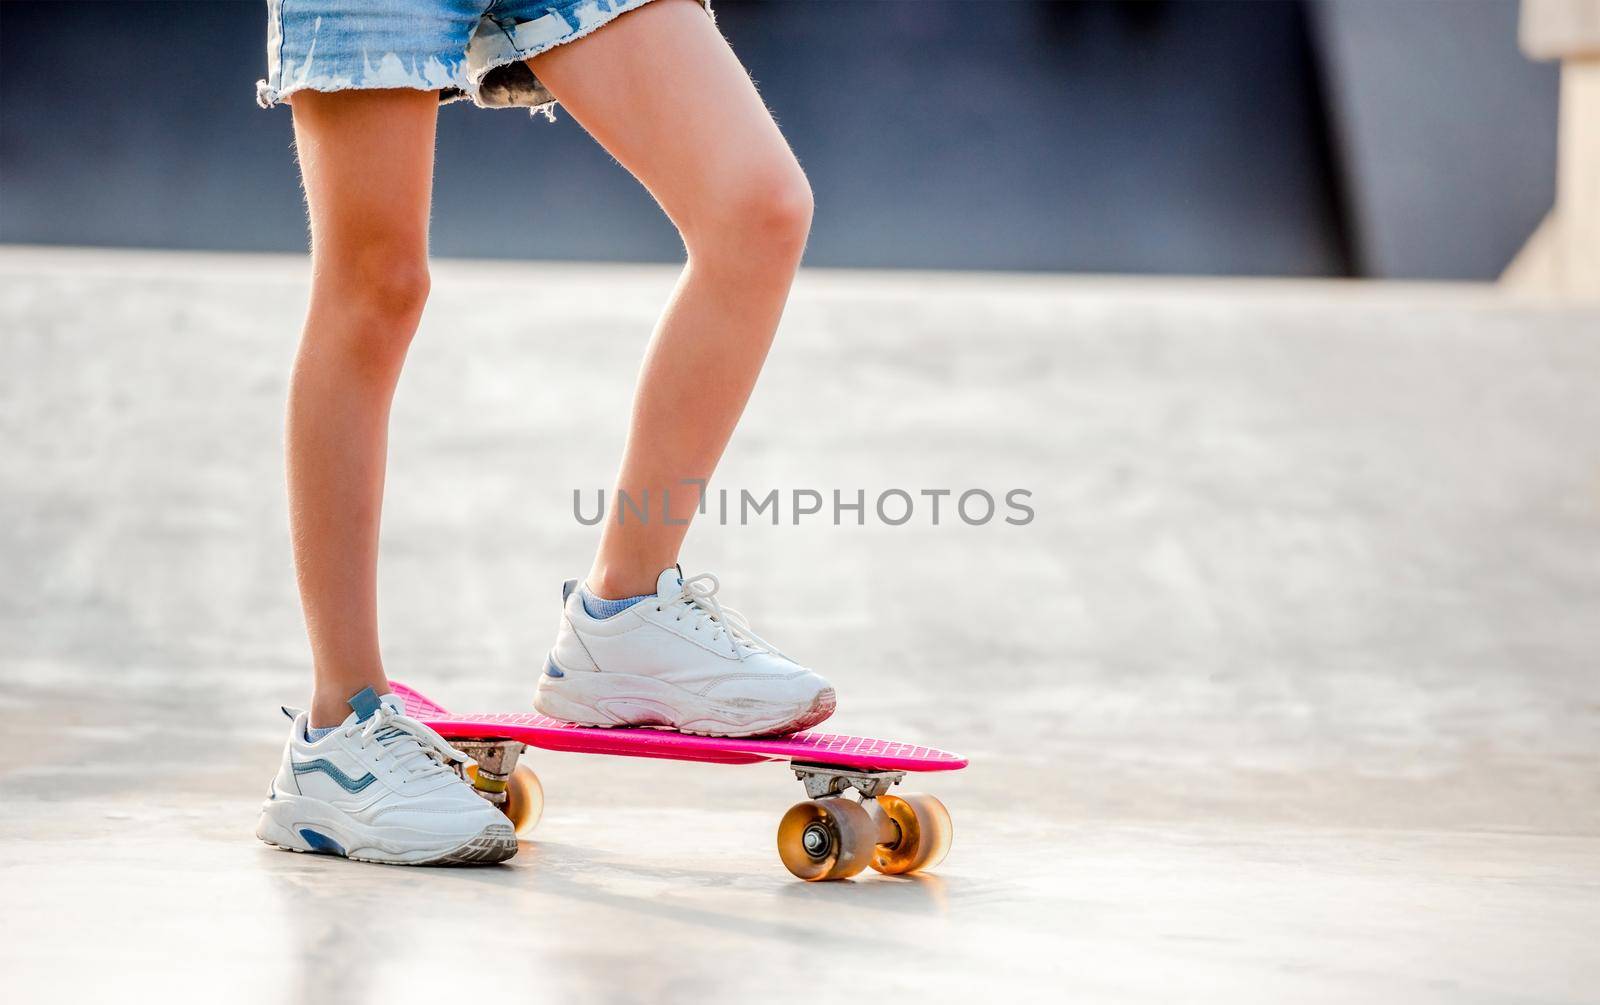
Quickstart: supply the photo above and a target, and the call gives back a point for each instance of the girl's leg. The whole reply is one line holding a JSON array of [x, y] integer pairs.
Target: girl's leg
[[663, 93], [366, 158], [367, 161]]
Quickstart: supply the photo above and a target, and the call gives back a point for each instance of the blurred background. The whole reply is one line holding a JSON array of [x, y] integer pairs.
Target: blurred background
[[1287, 695], [1381, 138]]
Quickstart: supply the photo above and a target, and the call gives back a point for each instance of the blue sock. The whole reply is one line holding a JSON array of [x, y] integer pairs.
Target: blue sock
[[600, 608], [315, 733]]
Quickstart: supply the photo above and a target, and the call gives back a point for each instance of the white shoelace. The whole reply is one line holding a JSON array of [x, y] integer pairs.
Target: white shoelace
[[699, 601], [417, 749]]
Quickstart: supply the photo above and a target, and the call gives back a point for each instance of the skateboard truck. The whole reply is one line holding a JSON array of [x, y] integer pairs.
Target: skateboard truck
[[822, 781], [497, 759]]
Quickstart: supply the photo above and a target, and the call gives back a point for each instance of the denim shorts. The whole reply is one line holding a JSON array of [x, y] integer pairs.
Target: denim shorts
[[460, 48]]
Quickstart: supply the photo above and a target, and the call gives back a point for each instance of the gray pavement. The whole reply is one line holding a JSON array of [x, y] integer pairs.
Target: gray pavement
[[1288, 692]]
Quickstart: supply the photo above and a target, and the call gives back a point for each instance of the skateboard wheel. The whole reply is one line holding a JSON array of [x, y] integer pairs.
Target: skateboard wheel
[[925, 832], [524, 800], [826, 839]]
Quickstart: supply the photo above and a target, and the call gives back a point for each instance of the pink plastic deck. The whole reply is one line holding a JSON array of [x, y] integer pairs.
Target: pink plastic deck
[[536, 730]]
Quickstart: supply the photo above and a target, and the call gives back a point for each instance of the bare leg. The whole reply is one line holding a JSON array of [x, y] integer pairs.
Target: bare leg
[[663, 93], [366, 158]]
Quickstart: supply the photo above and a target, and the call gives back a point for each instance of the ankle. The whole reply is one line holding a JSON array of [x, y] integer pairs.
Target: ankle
[[329, 709], [617, 583], [327, 714]]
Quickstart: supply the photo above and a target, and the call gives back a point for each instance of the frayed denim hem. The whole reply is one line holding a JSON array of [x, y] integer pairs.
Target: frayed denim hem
[[499, 72], [491, 73]]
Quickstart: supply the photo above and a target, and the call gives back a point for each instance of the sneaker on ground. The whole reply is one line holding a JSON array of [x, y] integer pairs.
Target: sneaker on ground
[[382, 787], [677, 660]]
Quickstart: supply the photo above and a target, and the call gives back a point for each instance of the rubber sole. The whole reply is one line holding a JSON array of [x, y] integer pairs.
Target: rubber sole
[[311, 827], [607, 700]]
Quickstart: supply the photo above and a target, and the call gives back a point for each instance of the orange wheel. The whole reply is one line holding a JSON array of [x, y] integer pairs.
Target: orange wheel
[[925, 831], [826, 839], [524, 802]]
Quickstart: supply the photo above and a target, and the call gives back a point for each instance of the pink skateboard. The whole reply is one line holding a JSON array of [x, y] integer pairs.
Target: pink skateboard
[[829, 836]]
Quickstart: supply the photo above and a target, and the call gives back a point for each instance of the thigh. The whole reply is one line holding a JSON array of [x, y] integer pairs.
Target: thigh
[[662, 92], [366, 159]]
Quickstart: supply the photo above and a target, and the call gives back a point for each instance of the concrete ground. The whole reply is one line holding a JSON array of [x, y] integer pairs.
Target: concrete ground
[[1288, 692]]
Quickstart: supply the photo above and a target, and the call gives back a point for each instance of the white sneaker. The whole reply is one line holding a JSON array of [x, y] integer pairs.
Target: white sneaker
[[678, 660], [382, 787]]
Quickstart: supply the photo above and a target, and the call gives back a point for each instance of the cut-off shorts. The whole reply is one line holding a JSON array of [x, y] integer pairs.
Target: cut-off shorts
[[460, 48]]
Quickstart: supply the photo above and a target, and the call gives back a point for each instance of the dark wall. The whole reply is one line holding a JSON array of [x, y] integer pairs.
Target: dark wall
[[1155, 137], [1447, 135]]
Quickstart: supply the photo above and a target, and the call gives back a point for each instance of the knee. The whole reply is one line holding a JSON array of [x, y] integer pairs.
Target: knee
[[378, 299], [761, 217], [385, 291], [778, 208]]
